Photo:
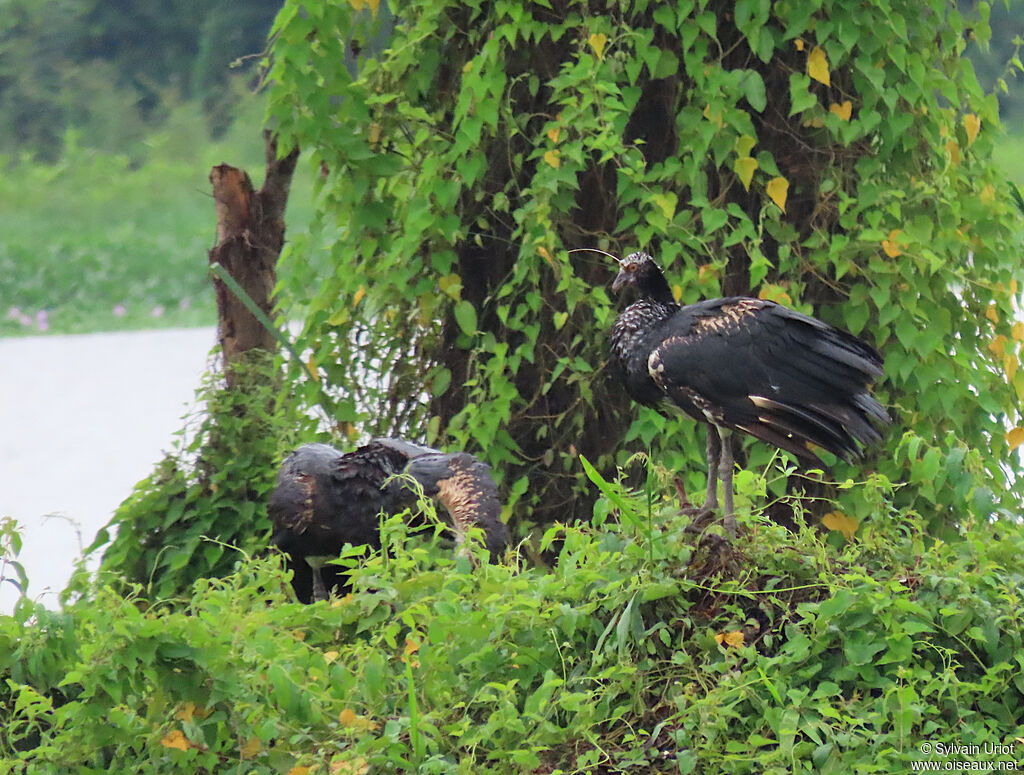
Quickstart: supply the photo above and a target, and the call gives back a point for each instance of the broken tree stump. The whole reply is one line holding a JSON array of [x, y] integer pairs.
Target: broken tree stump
[[250, 235]]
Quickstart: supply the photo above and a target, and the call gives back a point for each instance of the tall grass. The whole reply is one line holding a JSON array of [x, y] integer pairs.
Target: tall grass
[[100, 241]]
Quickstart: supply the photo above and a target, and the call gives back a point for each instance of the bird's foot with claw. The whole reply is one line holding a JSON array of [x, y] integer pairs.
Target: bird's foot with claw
[[700, 516]]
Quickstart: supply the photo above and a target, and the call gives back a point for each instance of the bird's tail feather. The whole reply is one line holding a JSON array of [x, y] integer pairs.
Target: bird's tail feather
[[835, 427]]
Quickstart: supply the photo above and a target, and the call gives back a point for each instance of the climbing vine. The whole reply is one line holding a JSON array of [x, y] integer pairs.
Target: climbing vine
[[831, 156]]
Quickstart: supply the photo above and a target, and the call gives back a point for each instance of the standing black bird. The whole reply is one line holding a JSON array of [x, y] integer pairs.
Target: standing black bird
[[325, 499], [745, 364]]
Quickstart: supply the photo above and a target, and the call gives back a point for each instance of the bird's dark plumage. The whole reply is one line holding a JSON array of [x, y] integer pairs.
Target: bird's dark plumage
[[325, 499], [749, 365], [465, 486]]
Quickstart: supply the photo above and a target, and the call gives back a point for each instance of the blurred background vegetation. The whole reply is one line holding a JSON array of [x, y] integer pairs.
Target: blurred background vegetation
[[111, 115]]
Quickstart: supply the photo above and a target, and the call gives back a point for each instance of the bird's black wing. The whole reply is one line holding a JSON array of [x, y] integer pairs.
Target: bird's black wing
[[781, 376]]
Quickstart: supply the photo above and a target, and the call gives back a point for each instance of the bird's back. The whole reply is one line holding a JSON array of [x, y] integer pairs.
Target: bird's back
[[773, 372], [754, 366], [325, 499]]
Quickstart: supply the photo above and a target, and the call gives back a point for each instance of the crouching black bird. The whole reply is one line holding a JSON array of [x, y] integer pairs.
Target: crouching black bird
[[745, 364], [325, 499]]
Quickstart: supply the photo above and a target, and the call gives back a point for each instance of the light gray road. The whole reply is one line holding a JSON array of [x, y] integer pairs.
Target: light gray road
[[82, 420]]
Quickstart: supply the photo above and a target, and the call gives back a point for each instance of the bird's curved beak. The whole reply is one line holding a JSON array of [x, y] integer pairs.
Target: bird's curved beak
[[623, 278]]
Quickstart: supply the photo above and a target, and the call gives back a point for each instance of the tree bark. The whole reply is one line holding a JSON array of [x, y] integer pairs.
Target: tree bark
[[250, 235]]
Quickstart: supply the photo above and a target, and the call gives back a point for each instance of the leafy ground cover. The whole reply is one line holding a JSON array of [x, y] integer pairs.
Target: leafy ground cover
[[635, 651], [97, 241]]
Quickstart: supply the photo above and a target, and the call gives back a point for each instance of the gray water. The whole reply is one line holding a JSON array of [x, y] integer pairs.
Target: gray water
[[82, 420]]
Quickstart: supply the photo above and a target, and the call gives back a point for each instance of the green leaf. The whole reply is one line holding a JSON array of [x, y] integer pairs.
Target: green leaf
[[752, 86], [465, 316]]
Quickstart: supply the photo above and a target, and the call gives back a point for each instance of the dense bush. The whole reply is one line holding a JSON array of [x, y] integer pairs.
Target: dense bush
[[635, 653]]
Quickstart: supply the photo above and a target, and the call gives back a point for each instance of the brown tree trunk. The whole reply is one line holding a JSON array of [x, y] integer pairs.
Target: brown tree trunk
[[250, 234]]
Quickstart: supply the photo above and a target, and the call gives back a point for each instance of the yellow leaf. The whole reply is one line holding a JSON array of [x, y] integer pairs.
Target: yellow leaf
[[546, 255], [357, 766], [844, 110], [973, 125], [311, 365], [300, 770], [707, 273], [1017, 331], [411, 646], [375, 130], [349, 718], [715, 118], [998, 346], [185, 712], [553, 133], [357, 4], [1015, 438], [360, 293], [552, 158], [374, 6], [954, 151], [451, 286], [330, 656], [734, 638], [817, 66], [342, 601], [837, 520], [891, 246], [1013, 286], [1010, 366], [799, 43], [677, 291], [175, 739], [250, 747], [777, 189], [991, 313], [745, 166], [744, 144], [775, 293], [666, 203], [597, 42], [988, 194]]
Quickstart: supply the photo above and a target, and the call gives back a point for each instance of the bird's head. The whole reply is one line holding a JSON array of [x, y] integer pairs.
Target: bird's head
[[465, 486], [430, 470], [640, 270]]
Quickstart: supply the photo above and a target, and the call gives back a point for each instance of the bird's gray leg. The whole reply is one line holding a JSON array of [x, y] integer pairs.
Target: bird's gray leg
[[319, 590], [725, 466], [714, 448]]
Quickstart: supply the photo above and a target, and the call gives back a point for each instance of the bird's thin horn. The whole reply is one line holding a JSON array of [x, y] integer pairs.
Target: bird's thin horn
[[596, 250]]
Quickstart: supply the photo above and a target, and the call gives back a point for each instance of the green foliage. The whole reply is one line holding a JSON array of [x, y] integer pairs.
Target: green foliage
[[210, 494], [835, 157], [11, 570], [618, 659]]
